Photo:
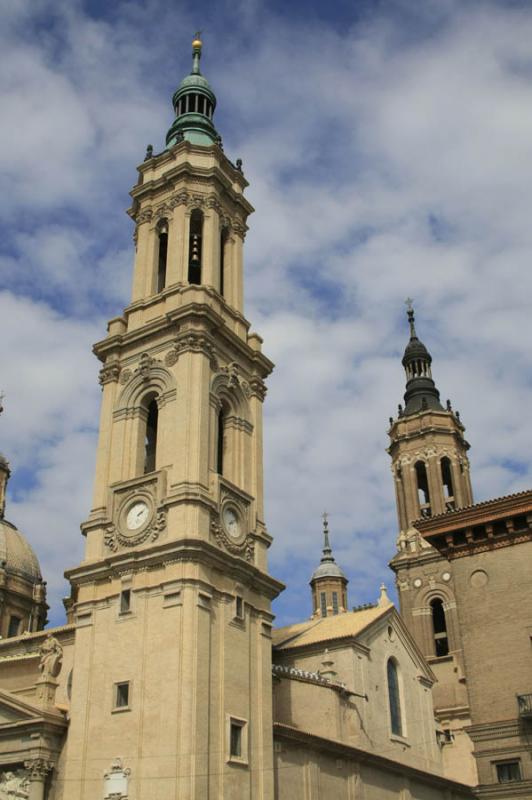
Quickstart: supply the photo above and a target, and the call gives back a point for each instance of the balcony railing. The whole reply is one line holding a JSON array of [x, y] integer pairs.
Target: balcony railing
[[524, 704]]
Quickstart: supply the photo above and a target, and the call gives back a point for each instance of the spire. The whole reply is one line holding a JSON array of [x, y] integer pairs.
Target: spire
[[5, 473], [327, 551], [421, 393], [194, 102], [328, 566]]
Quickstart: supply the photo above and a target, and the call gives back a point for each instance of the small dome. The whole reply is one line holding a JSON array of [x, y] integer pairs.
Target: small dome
[[328, 569], [416, 349], [16, 554]]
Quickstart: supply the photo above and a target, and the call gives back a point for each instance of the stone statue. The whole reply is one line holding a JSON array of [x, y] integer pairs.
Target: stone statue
[[14, 785], [51, 654]]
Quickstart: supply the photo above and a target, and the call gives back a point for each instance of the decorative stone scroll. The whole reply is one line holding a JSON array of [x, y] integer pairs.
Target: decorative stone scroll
[[191, 342], [114, 537], [109, 373], [244, 549], [38, 768], [144, 216]]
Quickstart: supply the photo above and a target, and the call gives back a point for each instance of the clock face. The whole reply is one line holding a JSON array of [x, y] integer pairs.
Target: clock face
[[231, 522], [137, 515]]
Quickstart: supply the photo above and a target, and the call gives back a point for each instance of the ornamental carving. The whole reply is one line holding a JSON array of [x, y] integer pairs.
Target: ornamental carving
[[162, 211], [116, 781], [231, 370], [191, 342], [255, 388], [14, 784], [144, 216], [244, 549], [147, 363], [109, 373], [38, 769], [114, 537]]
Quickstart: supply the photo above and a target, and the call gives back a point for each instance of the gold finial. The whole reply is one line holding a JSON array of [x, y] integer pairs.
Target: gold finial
[[196, 41]]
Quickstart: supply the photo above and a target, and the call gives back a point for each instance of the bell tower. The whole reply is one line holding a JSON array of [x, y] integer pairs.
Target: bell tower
[[172, 670], [427, 447], [430, 468]]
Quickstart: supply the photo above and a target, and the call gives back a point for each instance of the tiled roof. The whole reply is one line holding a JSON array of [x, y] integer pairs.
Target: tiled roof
[[509, 504], [324, 629]]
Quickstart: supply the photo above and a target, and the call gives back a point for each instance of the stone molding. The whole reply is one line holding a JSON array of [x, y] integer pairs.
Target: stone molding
[[109, 373]]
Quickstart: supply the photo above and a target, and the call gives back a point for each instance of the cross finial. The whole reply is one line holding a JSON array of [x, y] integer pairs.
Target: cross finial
[[409, 304], [410, 313], [325, 518]]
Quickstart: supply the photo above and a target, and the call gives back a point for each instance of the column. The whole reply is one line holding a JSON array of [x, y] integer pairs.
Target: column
[[38, 769], [141, 258], [177, 227]]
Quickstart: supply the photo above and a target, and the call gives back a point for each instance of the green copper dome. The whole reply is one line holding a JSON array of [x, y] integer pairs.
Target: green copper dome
[[194, 102]]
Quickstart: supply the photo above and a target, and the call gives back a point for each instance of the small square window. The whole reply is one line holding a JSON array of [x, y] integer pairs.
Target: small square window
[[508, 772], [122, 695], [125, 601]]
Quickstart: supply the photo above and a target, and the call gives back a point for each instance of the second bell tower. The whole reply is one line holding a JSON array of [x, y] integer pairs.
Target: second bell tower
[[172, 601]]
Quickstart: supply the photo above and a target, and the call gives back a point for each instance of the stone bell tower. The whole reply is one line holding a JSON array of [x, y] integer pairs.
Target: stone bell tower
[[430, 468], [172, 670]]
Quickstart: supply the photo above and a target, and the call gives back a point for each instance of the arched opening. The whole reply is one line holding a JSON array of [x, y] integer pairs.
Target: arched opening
[[220, 442], [423, 489], [163, 255], [447, 481], [150, 441], [195, 246], [223, 244], [439, 626], [394, 699]]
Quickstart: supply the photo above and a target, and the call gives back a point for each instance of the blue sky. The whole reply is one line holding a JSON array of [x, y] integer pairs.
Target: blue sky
[[388, 147]]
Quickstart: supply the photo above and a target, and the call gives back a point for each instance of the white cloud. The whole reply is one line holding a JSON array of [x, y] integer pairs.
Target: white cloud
[[383, 162]]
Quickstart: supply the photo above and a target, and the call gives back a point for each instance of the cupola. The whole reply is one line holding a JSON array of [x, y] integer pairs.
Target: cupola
[[194, 102], [421, 392], [328, 582]]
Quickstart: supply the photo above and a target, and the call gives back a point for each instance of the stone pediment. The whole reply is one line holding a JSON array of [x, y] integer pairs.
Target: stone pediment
[[14, 711]]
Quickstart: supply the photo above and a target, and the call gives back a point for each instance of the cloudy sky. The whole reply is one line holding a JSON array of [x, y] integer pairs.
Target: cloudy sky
[[389, 150]]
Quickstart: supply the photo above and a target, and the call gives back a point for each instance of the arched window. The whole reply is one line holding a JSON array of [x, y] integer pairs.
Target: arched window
[[220, 442], [223, 243], [447, 481], [150, 442], [423, 489], [195, 246], [163, 255], [394, 699], [439, 626]]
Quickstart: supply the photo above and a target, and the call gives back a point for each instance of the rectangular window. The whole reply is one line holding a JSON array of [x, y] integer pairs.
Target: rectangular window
[[335, 602], [323, 602], [236, 740], [125, 601], [239, 607], [508, 772], [122, 695], [14, 626]]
